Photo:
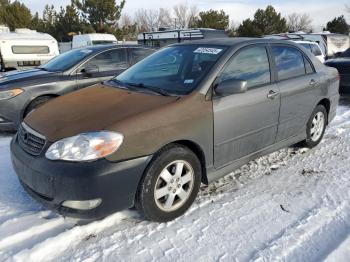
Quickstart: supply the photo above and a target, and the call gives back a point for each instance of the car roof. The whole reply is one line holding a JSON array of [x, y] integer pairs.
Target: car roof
[[97, 48], [233, 41]]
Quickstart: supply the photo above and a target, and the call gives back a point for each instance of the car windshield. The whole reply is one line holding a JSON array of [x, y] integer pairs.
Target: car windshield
[[175, 70], [66, 60]]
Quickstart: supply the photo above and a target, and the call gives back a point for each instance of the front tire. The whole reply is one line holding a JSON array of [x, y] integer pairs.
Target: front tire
[[316, 127], [170, 184]]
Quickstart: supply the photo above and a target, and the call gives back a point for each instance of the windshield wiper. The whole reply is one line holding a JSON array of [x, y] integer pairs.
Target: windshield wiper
[[121, 84], [151, 88]]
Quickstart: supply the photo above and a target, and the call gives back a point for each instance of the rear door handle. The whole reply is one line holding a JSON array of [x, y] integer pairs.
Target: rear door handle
[[313, 82], [272, 94]]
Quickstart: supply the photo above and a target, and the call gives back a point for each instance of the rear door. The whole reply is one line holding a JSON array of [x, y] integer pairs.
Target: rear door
[[102, 67], [297, 82], [247, 122]]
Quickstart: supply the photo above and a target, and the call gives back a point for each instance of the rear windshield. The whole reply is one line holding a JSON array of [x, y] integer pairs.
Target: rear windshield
[[177, 69], [21, 49]]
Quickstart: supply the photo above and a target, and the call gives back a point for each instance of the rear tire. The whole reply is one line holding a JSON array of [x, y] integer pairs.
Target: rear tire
[[170, 184], [35, 104], [316, 127]]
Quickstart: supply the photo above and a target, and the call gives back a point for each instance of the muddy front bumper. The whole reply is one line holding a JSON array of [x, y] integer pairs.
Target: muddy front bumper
[[54, 183]]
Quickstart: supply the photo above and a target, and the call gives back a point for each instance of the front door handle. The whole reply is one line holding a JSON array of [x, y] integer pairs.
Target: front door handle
[[272, 94]]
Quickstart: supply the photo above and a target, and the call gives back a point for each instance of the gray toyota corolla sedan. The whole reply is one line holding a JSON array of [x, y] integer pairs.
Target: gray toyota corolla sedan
[[23, 91], [188, 114]]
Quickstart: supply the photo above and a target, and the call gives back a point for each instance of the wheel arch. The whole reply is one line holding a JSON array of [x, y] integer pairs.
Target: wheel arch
[[327, 104], [195, 148], [35, 98]]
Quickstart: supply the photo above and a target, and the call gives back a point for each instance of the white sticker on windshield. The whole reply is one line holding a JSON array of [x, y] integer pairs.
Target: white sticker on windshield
[[207, 50], [188, 81]]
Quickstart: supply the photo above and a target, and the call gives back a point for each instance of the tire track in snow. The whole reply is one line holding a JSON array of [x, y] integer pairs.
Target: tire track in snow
[[310, 239]]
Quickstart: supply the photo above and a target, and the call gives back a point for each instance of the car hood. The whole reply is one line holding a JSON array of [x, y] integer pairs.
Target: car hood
[[17, 76], [91, 109]]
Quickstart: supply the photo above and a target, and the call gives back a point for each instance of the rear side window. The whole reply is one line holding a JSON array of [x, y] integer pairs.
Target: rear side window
[[308, 67], [251, 65], [316, 50], [140, 53], [110, 60], [21, 49], [307, 46], [289, 62]]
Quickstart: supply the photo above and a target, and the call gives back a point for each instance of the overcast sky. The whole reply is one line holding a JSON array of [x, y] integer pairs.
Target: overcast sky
[[321, 11]]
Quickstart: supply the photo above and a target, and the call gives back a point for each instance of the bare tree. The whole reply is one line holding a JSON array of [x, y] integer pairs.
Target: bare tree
[[299, 22], [152, 20], [126, 20], [164, 18], [184, 15]]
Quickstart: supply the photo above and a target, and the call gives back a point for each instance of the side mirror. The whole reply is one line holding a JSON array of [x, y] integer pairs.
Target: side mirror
[[230, 87], [90, 70]]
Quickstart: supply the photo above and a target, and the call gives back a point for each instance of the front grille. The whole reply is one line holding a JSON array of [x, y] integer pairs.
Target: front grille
[[30, 141]]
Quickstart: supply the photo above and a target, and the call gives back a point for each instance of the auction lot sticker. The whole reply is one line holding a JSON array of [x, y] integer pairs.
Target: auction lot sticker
[[207, 50]]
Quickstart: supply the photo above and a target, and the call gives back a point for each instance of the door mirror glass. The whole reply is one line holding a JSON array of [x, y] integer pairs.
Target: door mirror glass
[[230, 87], [90, 70]]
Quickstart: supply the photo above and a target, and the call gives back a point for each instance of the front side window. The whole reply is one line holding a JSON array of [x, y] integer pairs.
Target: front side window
[[109, 60], [21, 49], [251, 65], [289, 62], [177, 69]]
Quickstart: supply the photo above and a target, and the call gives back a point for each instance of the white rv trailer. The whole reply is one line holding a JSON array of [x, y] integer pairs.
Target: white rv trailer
[[25, 49], [93, 39]]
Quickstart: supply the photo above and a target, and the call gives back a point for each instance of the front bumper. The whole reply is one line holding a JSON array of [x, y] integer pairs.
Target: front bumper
[[53, 182]]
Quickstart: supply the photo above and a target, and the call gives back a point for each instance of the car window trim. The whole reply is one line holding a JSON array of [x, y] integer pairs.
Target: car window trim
[[239, 51], [304, 56]]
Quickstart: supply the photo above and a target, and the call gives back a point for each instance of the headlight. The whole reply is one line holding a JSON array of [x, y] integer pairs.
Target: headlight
[[85, 147], [10, 93]]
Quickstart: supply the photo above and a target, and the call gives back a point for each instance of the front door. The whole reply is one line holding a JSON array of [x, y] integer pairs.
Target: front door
[[247, 122], [102, 67]]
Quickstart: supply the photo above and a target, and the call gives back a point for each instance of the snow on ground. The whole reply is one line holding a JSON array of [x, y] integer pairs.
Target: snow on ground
[[292, 205]]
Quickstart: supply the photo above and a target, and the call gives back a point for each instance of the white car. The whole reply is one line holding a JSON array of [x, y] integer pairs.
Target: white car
[[93, 39], [314, 48]]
